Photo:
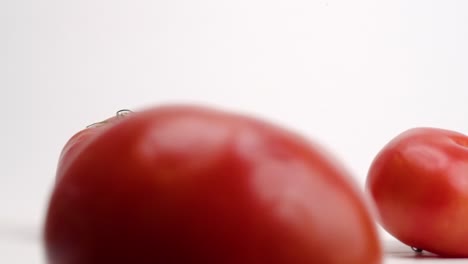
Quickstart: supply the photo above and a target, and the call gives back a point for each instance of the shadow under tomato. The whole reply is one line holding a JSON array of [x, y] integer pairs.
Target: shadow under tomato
[[397, 250]]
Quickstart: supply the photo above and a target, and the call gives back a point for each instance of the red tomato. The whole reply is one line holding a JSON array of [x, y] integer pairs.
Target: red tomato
[[419, 182], [75, 144], [185, 184]]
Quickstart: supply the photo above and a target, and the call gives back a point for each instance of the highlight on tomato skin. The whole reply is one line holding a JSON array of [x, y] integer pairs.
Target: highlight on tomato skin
[[192, 184], [418, 183]]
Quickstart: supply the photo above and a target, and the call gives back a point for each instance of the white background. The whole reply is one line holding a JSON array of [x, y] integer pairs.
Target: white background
[[348, 74]]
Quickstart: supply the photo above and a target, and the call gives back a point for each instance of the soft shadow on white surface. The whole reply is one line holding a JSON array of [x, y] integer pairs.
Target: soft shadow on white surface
[[22, 245], [399, 253]]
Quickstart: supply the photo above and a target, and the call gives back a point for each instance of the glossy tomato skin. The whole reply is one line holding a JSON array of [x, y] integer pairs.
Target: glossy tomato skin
[[73, 148], [77, 142], [419, 182], [185, 184]]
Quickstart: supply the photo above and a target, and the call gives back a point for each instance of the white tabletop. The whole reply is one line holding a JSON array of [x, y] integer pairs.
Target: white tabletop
[[22, 246]]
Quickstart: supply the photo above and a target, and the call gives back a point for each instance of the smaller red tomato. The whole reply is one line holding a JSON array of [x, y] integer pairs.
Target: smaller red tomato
[[419, 182]]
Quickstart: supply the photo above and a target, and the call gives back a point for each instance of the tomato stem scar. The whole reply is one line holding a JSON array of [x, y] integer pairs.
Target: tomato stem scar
[[123, 112], [119, 114]]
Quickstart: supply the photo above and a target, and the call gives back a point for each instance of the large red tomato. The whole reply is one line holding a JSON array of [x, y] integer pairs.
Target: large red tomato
[[77, 142], [186, 184], [419, 182]]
